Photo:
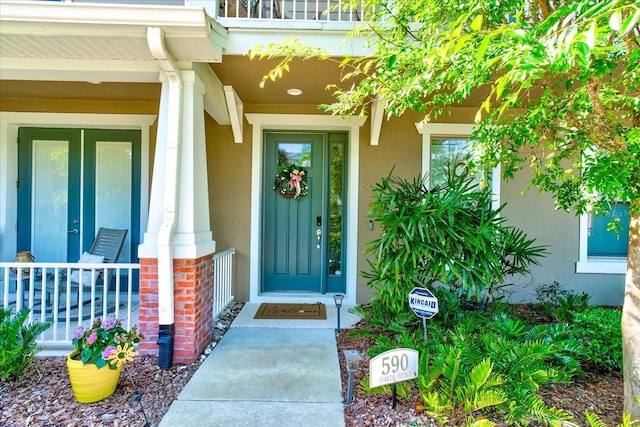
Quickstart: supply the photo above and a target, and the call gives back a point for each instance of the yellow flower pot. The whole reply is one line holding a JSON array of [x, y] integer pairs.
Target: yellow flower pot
[[89, 383]]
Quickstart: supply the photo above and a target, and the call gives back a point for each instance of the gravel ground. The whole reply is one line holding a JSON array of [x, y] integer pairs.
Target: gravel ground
[[42, 396]]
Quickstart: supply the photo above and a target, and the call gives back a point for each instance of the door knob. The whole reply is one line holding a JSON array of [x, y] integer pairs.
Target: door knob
[[319, 234], [74, 231]]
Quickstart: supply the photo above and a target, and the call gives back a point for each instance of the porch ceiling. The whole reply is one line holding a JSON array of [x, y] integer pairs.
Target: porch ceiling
[[98, 42], [312, 77]]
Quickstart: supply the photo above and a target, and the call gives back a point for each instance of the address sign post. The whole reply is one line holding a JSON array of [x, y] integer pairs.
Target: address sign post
[[392, 367], [424, 304]]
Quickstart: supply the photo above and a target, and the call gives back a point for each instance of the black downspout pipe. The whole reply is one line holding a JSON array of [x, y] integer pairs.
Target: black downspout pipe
[[165, 346]]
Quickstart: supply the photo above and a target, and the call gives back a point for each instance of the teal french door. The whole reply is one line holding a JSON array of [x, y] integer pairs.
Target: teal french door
[[72, 182], [302, 239]]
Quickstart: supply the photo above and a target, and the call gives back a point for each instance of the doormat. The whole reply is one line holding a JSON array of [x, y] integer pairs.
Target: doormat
[[315, 311]]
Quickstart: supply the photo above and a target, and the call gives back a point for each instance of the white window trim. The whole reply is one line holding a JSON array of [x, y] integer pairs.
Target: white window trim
[[452, 130], [262, 122], [596, 265]]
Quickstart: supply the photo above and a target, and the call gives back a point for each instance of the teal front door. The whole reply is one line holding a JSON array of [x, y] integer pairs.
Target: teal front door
[[71, 182], [302, 237]]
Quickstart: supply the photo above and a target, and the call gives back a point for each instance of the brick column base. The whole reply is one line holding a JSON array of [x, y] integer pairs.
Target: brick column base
[[193, 296]]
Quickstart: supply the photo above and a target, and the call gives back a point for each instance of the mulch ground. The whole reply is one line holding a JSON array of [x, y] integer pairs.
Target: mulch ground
[[42, 396]]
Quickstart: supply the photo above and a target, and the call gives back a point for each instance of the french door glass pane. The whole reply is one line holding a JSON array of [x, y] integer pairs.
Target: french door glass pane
[[49, 200], [113, 189]]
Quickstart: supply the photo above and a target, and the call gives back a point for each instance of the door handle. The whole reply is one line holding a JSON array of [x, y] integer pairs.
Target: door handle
[[319, 234], [74, 231]]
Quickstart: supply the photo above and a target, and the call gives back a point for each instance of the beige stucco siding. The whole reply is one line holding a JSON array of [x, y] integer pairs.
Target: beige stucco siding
[[400, 147], [229, 167], [559, 230]]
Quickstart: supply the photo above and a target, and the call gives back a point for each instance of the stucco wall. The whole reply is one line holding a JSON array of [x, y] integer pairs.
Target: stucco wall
[[229, 167], [400, 146], [534, 213], [399, 149]]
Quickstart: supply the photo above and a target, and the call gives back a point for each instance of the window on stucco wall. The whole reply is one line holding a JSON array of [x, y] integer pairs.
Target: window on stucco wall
[[444, 141], [603, 251]]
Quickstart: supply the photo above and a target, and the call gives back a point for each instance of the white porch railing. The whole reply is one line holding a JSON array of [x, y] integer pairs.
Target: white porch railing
[[48, 291], [222, 281]]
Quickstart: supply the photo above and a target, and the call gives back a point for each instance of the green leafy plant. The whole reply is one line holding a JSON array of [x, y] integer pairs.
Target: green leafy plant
[[454, 394], [548, 293], [525, 357], [447, 234], [570, 304], [18, 344], [595, 421], [560, 303], [601, 334], [106, 343]]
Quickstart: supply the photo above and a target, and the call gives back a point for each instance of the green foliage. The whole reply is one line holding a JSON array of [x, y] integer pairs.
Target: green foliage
[[560, 303], [595, 421], [548, 293], [523, 357], [563, 79], [403, 389], [17, 342], [446, 234], [380, 315], [601, 334], [452, 393]]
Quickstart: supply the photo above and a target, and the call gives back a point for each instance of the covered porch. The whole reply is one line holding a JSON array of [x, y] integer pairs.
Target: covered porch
[[151, 70], [48, 291]]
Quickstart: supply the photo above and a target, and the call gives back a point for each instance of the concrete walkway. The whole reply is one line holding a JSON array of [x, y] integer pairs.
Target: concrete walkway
[[267, 373]]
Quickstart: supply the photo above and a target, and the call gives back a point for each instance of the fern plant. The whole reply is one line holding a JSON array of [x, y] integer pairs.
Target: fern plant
[[595, 421], [453, 394], [17, 342]]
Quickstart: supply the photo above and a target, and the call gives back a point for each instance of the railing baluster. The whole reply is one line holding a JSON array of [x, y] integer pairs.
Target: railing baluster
[[222, 281], [43, 290]]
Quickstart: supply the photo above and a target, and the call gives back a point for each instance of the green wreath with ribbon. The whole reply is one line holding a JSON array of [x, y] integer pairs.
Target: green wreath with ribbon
[[291, 181]]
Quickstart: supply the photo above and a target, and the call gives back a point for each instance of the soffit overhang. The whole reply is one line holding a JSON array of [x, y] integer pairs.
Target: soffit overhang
[[98, 42]]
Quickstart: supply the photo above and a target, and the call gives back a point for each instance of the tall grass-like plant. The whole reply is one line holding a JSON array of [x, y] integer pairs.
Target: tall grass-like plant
[[446, 234], [17, 342]]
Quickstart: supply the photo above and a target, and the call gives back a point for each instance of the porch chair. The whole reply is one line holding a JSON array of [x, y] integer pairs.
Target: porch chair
[[106, 248]]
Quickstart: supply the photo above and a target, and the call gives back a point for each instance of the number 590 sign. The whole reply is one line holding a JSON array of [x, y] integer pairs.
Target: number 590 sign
[[393, 366]]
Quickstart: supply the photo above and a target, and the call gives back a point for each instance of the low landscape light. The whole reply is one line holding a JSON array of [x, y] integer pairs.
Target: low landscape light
[[338, 300], [352, 359]]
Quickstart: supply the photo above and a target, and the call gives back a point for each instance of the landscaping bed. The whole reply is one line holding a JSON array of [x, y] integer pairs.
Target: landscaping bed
[[42, 396], [598, 392]]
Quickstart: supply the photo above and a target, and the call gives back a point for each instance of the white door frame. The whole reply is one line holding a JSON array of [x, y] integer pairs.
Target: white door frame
[[311, 122], [10, 122]]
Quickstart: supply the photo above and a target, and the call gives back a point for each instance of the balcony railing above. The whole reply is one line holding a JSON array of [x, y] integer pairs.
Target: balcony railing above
[[300, 10], [297, 10]]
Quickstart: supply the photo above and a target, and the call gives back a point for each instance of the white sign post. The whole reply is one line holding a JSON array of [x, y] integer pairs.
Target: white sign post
[[424, 304], [392, 367]]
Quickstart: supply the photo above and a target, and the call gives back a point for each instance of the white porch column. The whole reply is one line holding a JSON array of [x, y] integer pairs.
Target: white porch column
[[193, 237]]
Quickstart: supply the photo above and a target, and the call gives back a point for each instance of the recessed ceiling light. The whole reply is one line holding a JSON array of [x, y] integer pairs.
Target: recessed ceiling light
[[294, 92]]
